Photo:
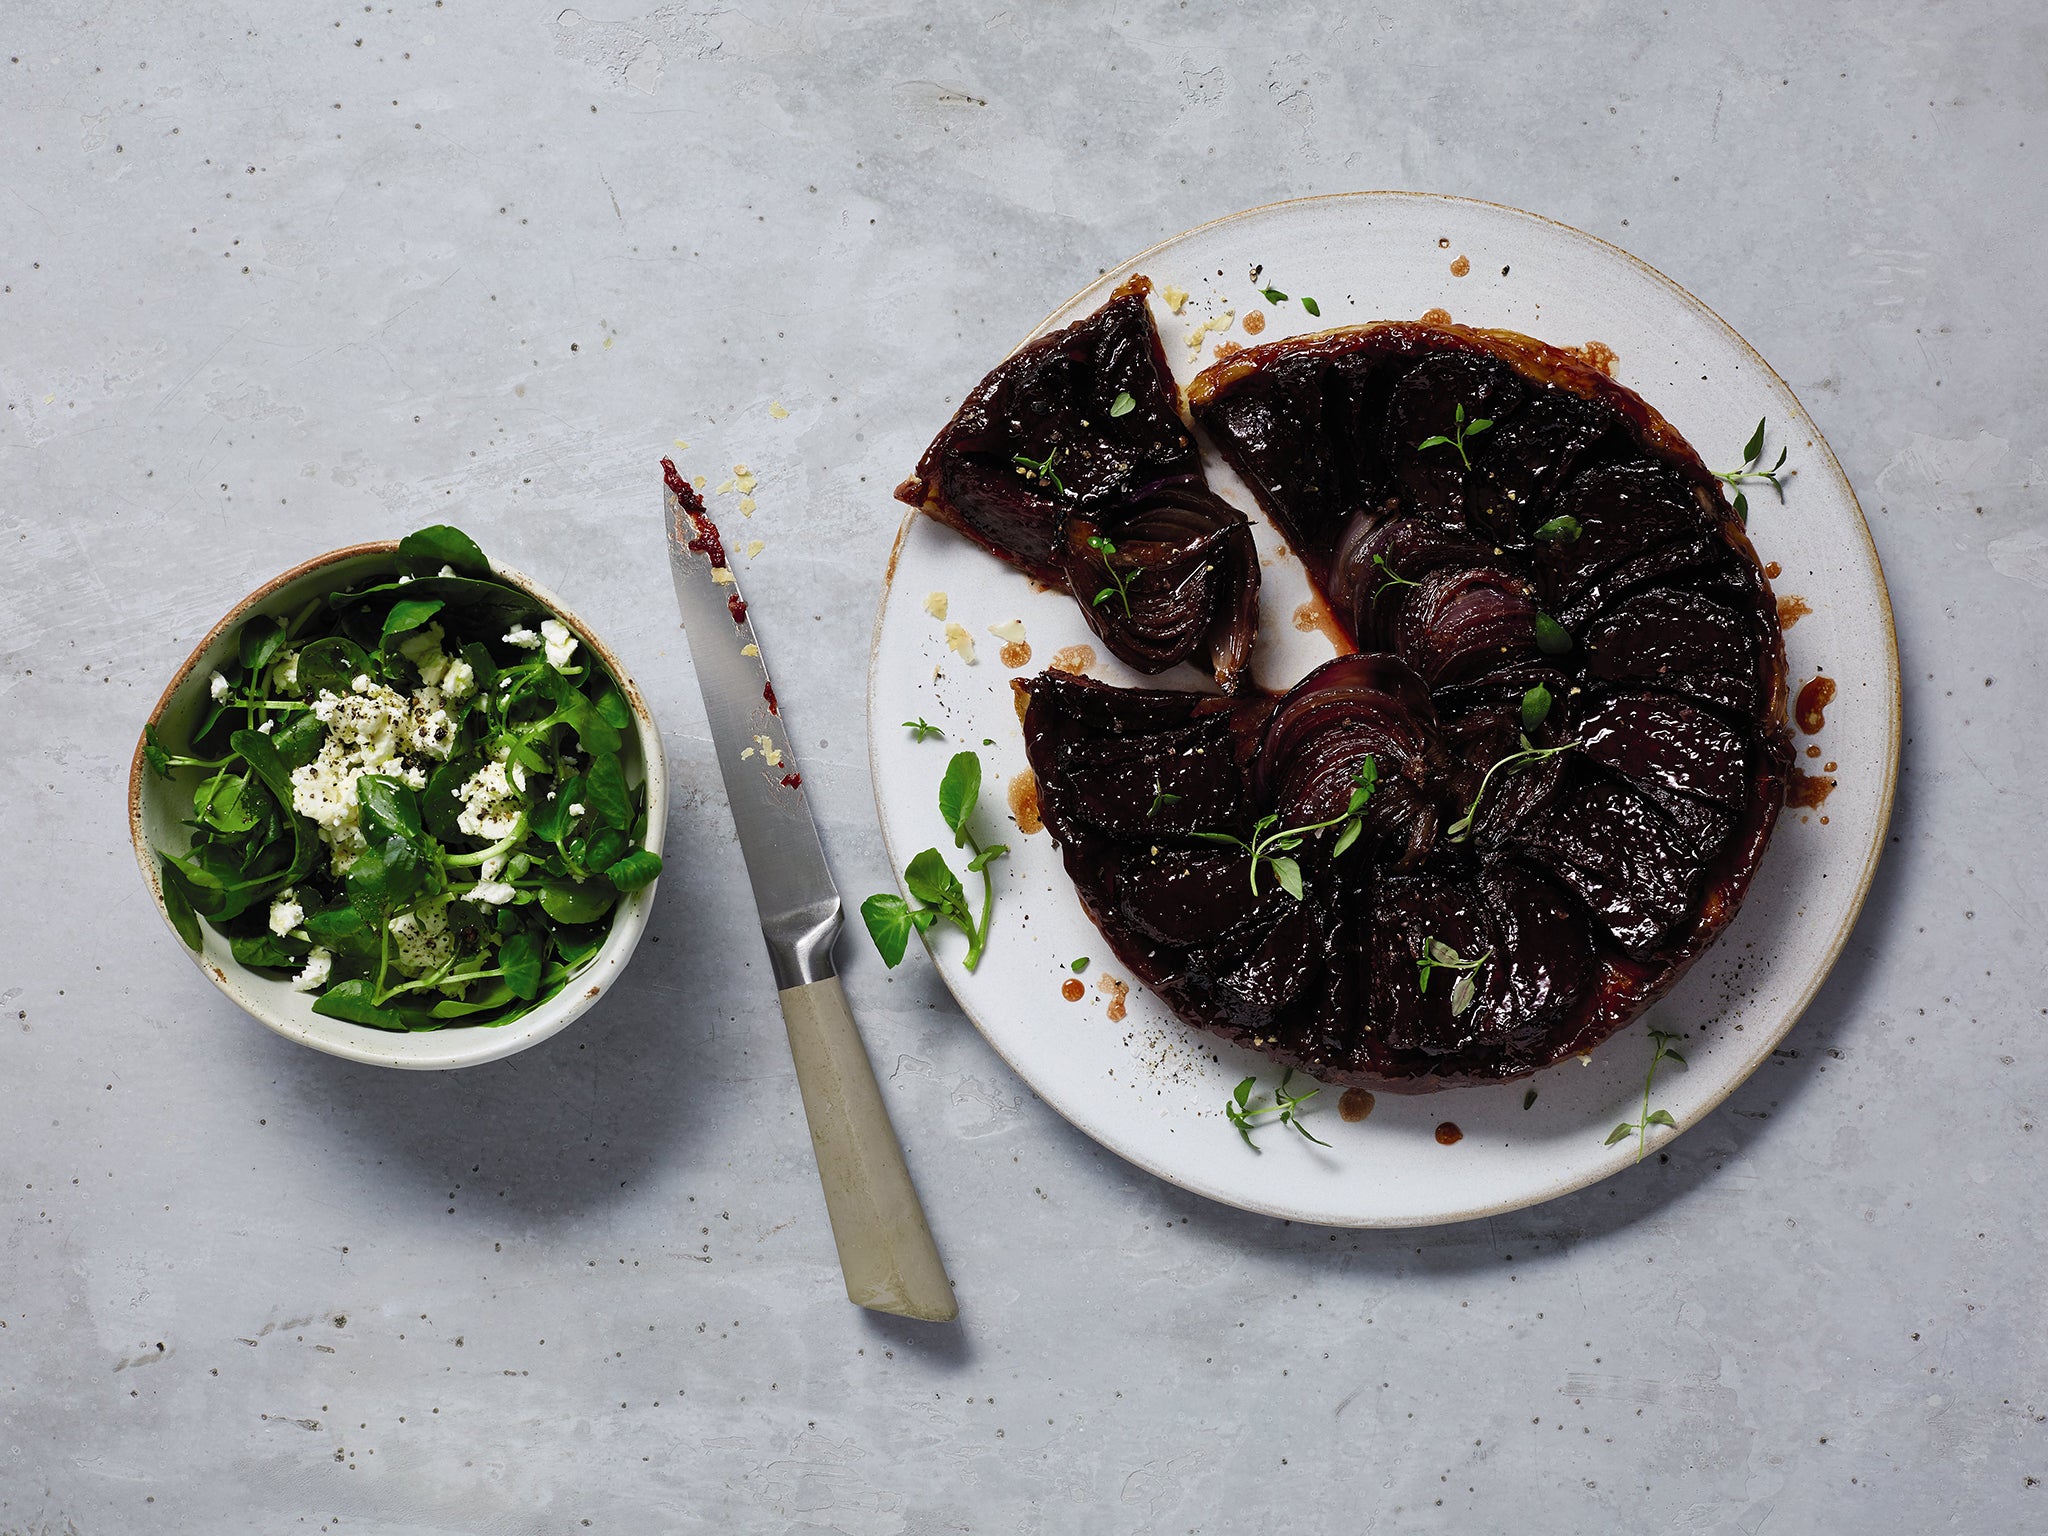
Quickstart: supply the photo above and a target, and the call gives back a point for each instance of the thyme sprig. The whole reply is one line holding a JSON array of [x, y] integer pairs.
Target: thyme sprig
[[1465, 430], [1752, 469], [1248, 1114], [1461, 829], [921, 728], [1640, 1126], [1272, 844], [1040, 470], [1439, 956]]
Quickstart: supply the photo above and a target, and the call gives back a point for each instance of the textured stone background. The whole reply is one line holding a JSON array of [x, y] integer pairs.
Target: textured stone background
[[280, 277]]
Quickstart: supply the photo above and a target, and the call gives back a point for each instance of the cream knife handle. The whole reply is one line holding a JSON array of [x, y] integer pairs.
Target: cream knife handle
[[885, 1247]]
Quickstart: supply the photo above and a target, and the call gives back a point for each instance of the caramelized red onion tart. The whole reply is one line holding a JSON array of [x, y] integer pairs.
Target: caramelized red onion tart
[[1570, 684]]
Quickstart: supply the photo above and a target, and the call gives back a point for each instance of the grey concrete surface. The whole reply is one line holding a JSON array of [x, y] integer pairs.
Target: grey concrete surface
[[273, 278]]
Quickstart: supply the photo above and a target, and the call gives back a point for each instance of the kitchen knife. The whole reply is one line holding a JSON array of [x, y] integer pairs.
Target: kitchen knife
[[885, 1246]]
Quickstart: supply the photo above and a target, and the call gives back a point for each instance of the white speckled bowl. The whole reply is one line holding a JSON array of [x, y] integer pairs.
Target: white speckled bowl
[[156, 809]]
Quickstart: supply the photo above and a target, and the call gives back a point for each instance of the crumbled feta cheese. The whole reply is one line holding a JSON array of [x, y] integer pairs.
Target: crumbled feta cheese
[[217, 686], [420, 939], [750, 649], [286, 913], [284, 673], [769, 751], [1173, 297], [265, 727], [721, 575], [372, 729], [748, 506], [492, 867], [560, 642], [490, 806], [361, 683], [490, 893], [576, 809], [319, 965], [446, 570], [423, 650], [1010, 630], [935, 604], [960, 641], [459, 681], [522, 637], [776, 410], [404, 581]]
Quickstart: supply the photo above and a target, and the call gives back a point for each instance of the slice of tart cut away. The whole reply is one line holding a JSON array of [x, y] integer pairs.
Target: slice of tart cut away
[[1071, 461]]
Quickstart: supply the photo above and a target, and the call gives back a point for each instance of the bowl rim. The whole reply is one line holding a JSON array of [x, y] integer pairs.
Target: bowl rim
[[488, 1043]]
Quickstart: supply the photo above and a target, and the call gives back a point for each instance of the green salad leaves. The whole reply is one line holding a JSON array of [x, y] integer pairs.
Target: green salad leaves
[[409, 799], [931, 881]]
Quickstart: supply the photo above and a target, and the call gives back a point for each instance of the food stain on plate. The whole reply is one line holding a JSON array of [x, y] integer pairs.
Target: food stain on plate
[[1791, 610]]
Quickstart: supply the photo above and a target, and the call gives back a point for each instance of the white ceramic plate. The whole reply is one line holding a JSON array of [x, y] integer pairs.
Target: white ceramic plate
[[1152, 1089]]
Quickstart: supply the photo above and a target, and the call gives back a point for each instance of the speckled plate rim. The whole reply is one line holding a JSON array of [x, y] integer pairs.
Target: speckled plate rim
[[491, 1043], [1766, 1041]]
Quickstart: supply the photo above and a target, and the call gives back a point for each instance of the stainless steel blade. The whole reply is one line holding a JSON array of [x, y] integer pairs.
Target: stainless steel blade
[[793, 890]]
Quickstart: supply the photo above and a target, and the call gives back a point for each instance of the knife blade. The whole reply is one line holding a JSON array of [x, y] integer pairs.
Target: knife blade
[[886, 1252]]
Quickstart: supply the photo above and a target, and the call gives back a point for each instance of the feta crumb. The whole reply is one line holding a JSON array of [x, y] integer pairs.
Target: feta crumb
[[724, 487], [284, 673], [746, 506], [490, 805], [459, 681], [721, 575], [770, 751], [1011, 630], [754, 547], [561, 643], [935, 604], [490, 893], [775, 409], [744, 479], [266, 727], [404, 580], [492, 867], [523, 637], [319, 965], [286, 913], [961, 642], [746, 753], [217, 686], [1173, 297], [370, 729], [423, 649], [446, 570], [576, 809], [1221, 321], [750, 649]]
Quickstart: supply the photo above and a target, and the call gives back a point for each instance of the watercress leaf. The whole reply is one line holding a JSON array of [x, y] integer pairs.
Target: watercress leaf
[[408, 614], [355, 1001], [441, 803], [495, 994], [1312, 307], [425, 552], [1288, 873], [343, 930], [1273, 295], [1552, 638], [1122, 405], [604, 791], [986, 857], [612, 707], [386, 879], [1097, 600], [481, 664], [259, 642], [1619, 1133], [1671, 1055], [527, 756], [178, 906], [636, 871], [577, 901], [549, 819], [520, 957], [1346, 836], [1662, 1117], [1742, 508], [932, 881], [332, 663], [958, 792], [1563, 529], [219, 803], [1754, 448], [1535, 707], [257, 750], [154, 752], [387, 807], [604, 848], [266, 949], [888, 920], [1438, 441], [1243, 1092], [299, 742], [1220, 837], [1477, 425]]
